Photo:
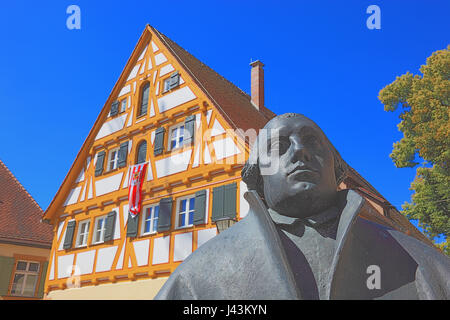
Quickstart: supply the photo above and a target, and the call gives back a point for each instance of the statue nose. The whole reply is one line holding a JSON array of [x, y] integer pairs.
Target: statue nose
[[299, 151]]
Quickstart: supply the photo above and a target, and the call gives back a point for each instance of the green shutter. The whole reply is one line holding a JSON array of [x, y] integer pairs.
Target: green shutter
[[114, 108], [123, 152], [6, 268], [70, 230], [110, 226], [229, 206], [132, 225], [224, 202], [142, 152], [174, 80], [218, 199], [189, 129], [165, 214], [200, 207], [99, 165], [42, 280], [159, 141]]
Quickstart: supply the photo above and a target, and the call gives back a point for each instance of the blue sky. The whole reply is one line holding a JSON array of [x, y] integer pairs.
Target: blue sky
[[321, 60]]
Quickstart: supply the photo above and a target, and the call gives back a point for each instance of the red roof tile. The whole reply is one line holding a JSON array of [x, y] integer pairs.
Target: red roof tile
[[20, 215]]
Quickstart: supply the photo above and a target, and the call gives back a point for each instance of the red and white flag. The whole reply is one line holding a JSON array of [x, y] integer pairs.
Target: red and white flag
[[135, 181]]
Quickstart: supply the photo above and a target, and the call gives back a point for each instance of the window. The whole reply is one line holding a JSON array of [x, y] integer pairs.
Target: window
[[83, 232], [185, 212], [25, 278], [113, 159], [176, 136], [141, 152], [99, 231], [144, 99], [172, 82], [123, 105], [150, 222]]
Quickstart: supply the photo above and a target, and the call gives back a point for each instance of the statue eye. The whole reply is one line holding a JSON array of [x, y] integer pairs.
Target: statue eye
[[280, 144], [311, 140]]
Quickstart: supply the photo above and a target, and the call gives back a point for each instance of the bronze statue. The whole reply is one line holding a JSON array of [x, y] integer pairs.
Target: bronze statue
[[303, 239]]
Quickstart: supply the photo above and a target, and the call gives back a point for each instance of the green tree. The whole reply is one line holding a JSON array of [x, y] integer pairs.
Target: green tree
[[425, 111]]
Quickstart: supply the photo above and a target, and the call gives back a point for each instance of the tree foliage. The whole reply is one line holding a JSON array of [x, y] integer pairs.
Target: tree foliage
[[424, 101]]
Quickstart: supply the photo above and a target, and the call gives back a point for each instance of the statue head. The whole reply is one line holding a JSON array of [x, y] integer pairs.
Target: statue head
[[305, 167]]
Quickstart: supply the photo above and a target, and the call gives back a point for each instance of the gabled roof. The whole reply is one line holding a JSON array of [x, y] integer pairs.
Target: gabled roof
[[233, 104], [20, 215]]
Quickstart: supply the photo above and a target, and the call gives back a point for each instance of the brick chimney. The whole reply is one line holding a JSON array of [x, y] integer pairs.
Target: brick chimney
[[257, 83]]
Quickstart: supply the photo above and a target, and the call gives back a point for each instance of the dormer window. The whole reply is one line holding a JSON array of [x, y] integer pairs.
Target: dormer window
[[172, 82]]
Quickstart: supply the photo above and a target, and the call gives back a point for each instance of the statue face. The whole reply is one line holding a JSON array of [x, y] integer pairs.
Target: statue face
[[305, 182]]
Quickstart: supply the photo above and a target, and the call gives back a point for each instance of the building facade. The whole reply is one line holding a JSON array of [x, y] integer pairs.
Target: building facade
[[193, 129], [25, 241]]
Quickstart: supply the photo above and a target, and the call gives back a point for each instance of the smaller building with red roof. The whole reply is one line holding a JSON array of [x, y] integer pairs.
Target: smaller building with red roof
[[25, 241]]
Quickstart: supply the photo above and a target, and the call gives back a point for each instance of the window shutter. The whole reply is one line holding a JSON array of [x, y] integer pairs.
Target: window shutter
[[132, 225], [99, 165], [189, 128], [123, 152], [224, 202], [114, 108], [142, 152], [165, 214], [110, 226], [6, 268], [218, 199], [44, 267], [174, 80], [229, 207], [159, 141], [200, 207], [69, 234], [144, 99]]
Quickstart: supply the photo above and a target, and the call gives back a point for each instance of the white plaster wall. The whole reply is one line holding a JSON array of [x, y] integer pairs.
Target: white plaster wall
[[108, 185], [111, 126], [225, 148], [160, 58], [125, 90], [182, 246], [173, 164], [80, 176], [217, 129], [51, 276], [205, 235], [154, 47], [65, 264], [121, 257], [175, 99], [73, 196], [165, 70], [134, 72], [143, 53], [161, 250], [85, 261], [141, 249], [105, 258]]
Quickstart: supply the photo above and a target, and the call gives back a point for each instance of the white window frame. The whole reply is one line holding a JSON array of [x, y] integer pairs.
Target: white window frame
[[96, 230], [123, 105], [115, 161], [26, 273], [178, 213], [178, 136], [152, 219], [85, 234]]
